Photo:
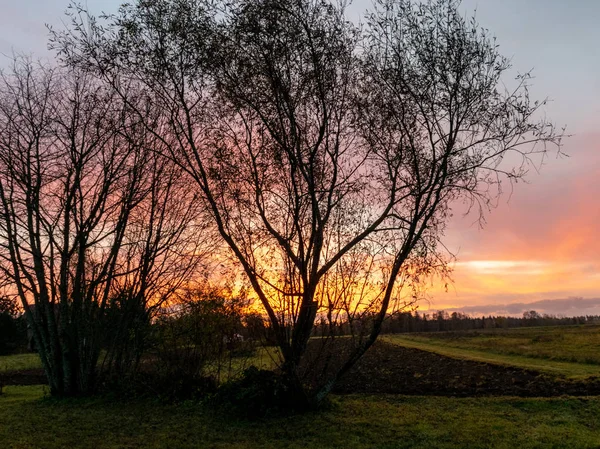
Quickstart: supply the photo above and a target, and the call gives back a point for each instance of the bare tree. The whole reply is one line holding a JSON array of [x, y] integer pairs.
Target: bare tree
[[330, 155], [89, 215]]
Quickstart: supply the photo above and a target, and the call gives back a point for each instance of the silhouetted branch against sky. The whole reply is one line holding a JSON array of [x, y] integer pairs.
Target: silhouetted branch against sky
[[557, 44], [329, 154]]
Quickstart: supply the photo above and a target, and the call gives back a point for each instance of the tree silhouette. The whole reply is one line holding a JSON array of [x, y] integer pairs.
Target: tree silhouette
[[329, 154], [92, 219]]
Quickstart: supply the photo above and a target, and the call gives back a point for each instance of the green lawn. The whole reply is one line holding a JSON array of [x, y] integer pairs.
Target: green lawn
[[28, 421], [19, 362], [572, 351], [263, 358]]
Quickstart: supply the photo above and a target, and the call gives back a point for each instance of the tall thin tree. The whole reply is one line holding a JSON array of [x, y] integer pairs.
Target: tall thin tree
[[87, 214]]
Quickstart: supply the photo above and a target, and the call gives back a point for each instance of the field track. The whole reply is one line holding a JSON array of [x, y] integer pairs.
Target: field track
[[571, 370]]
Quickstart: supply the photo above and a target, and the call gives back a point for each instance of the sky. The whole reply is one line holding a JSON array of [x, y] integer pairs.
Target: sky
[[540, 247]]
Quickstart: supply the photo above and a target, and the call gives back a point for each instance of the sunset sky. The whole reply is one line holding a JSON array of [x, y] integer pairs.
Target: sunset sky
[[539, 244]]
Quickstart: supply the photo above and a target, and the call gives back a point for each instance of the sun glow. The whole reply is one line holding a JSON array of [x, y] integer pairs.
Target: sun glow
[[502, 267]]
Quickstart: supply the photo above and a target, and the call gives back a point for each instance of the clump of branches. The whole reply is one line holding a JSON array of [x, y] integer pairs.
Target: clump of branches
[[97, 228], [13, 330], [196, 341], [329, 155], [202, 331]]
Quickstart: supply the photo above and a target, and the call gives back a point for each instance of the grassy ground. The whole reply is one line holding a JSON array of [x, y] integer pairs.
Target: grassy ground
[[578, 344], [19, 362], [571, 351], [28, 421], [263, 358]]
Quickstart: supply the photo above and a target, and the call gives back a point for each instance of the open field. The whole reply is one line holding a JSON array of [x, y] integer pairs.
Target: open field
[[453, 364], [355, 421], [570, 351], [441, 410], [19, 362]]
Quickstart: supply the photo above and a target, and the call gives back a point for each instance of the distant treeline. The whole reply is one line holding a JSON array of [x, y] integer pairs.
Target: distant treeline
[[443, 321], [214, 321]]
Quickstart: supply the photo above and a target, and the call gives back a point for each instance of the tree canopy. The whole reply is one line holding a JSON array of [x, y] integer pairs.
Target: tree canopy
[[329, 155]]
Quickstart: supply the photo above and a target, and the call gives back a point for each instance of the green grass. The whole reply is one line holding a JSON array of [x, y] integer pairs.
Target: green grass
[[19, 362], [570, 351], [229, 368], [28, 421], [578, 344], [264, 358]]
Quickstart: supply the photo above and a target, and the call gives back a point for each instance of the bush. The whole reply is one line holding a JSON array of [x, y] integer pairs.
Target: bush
[[194, 342], [261, 393], [13, 334], [200, 334]]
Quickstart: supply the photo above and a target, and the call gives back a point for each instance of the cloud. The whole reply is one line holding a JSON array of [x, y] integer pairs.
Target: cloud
[[504, 267], [561, 307], [540, 244]]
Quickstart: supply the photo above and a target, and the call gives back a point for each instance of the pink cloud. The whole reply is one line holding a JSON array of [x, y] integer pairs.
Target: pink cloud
[[543, 240]]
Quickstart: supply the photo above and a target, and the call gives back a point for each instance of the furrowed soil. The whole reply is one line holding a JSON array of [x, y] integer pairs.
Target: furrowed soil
[[390, 368]]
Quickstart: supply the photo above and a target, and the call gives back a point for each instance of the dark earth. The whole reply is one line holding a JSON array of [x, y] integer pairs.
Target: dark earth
[[389, 368]]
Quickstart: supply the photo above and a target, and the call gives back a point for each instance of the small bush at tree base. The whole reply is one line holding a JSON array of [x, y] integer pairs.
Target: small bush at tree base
[[261, 393], [12, 334]]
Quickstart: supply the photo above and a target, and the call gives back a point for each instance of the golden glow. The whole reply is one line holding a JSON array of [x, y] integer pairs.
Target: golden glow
[[542, 243], [480, 282]]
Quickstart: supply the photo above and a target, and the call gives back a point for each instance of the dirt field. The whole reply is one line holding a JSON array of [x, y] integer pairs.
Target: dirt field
[[23, 377], [389, 368]]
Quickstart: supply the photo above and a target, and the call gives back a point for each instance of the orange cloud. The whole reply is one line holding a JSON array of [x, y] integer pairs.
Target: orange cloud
[[541, 244]]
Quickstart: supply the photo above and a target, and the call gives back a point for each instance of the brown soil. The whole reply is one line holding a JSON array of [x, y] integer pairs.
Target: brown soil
[[388, 368]]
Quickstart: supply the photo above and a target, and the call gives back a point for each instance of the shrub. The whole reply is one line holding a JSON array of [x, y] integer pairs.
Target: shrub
[[260, 393], [13, 334]]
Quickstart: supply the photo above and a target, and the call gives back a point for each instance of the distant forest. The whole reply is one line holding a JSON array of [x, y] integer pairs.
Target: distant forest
[[443, 321]]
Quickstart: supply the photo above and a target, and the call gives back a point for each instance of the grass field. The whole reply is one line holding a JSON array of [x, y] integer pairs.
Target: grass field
[[264, 358], [19, 362], [572, 351], [29, 421]]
